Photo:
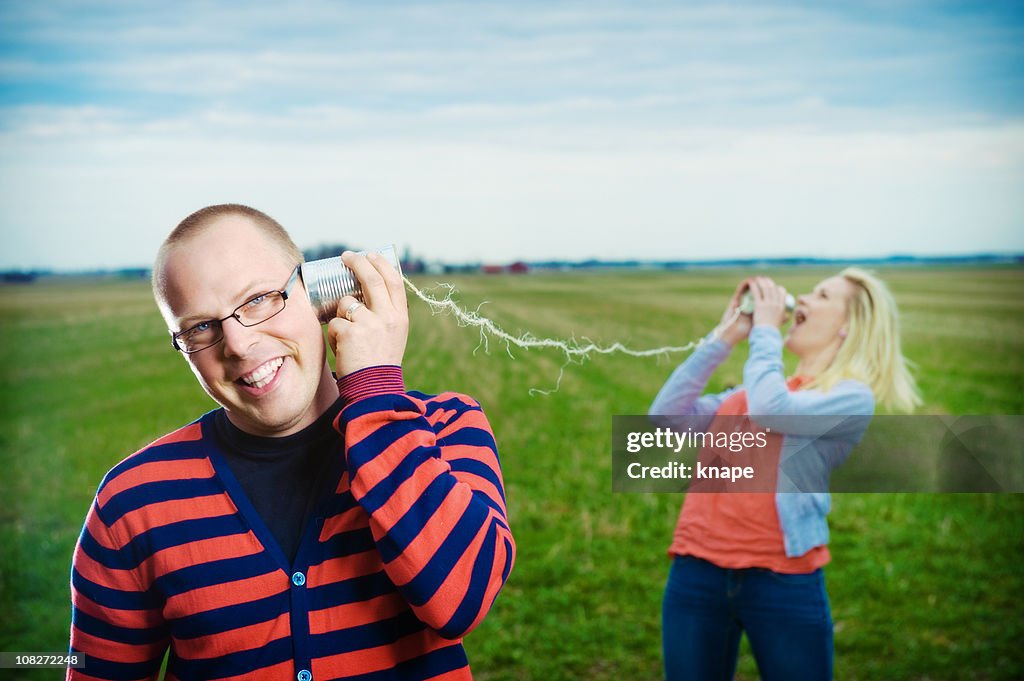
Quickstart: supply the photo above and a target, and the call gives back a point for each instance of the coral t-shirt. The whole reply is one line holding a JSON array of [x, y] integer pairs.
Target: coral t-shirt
[[741, 529]]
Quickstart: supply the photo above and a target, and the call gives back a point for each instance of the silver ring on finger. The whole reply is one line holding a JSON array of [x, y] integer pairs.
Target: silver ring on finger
[[352, 308]]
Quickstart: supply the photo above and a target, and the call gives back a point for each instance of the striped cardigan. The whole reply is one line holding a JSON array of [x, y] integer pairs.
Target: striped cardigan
[[409, 548]]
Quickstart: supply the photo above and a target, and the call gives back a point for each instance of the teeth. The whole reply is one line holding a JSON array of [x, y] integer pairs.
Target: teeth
[[263, 373]]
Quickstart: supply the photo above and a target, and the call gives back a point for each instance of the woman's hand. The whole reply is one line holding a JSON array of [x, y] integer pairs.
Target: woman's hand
[[734, 326], [375, 333], [769, 302]]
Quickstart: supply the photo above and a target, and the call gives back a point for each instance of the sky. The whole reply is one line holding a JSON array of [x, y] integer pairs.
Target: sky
[[493, 132]]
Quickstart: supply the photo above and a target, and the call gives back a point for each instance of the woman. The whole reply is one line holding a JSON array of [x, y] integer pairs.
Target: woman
[[753, 561]]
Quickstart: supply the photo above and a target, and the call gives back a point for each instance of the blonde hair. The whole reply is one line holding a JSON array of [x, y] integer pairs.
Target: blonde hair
[[871, 351]]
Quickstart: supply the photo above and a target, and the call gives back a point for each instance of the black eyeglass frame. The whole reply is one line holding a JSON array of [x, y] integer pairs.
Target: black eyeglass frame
[[285, 292]]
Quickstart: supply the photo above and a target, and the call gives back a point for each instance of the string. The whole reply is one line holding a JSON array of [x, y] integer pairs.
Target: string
[[574, 351]]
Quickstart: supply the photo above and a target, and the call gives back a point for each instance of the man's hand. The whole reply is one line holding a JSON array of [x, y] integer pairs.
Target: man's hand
[[374, 333]]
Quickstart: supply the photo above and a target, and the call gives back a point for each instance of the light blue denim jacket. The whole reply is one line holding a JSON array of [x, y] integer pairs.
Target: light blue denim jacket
[[811, 447]]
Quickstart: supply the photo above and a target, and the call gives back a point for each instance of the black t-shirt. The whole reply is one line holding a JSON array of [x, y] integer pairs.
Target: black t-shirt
[[282, 476]]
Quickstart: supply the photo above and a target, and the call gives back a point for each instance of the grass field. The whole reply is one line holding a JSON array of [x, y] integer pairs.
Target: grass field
[[922, 586]]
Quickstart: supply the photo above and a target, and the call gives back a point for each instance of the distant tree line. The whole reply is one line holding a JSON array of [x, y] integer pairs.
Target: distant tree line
[[417, 265]]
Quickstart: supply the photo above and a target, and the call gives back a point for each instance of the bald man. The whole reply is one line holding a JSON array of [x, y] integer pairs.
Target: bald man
[[314, 526]]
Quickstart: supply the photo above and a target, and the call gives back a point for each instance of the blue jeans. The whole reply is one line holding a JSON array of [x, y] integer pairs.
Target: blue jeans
[[706, 608]]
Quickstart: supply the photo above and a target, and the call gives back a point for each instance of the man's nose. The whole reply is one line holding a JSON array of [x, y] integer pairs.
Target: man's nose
[[238, 339]]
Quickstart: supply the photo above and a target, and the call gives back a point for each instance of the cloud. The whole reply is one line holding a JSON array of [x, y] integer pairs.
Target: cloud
[[415, 57], [510, 130], [720, 194]]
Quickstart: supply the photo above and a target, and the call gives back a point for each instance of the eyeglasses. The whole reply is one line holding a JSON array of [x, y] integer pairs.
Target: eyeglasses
[[256, 310]]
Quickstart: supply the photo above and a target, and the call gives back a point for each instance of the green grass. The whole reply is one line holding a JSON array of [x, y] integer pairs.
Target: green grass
[[922, 586]]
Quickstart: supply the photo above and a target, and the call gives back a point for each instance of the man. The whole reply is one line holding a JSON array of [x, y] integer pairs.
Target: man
[[310, 528]]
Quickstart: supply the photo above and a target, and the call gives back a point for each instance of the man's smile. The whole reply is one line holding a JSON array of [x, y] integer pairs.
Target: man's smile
[[262, 375]]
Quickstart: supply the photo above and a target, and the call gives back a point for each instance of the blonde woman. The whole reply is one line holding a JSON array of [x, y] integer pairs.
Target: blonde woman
[[752, 562]]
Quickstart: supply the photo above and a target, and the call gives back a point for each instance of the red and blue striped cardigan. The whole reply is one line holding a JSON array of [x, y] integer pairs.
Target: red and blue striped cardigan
[[409, 548]]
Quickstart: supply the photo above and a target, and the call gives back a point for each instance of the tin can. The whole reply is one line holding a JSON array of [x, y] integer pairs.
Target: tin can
[[328, 281], [747, 302]]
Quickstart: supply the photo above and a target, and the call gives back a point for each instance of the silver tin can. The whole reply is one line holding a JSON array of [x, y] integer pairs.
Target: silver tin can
[[328, 281], [747, 302]]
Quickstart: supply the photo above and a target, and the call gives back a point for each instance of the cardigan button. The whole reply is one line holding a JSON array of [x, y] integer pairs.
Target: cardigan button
[[298, 579], [304, 675]]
